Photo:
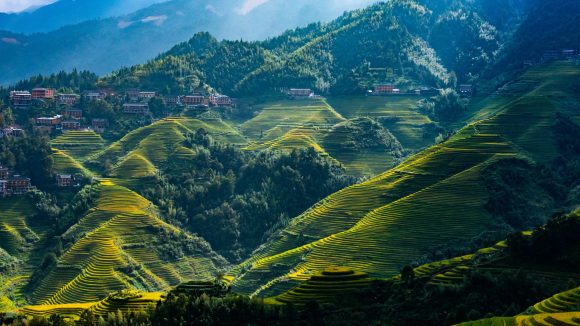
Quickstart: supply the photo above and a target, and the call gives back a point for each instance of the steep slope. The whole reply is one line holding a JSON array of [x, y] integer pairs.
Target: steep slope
[[550, 25], [434, 197], [142, 152], [402, 42], [121, 243]]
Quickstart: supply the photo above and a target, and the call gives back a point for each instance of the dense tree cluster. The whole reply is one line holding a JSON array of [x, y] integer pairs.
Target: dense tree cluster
[[30, 156], [235, 198], [522, 193]]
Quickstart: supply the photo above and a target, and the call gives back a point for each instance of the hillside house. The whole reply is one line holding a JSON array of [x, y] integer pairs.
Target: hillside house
[[18, 185], [171, 100], [21, 99], [48, 121], [220, 100], [70, 125], [3, 173], [64, 180], [466, 89], [146, 96], [73, 113], [132, 95], [384, 89], [67, 99], [93, 96], [42, 93], [136, 108], [99, 125], [299, 93], [3, 188], [14, 132], [192, 100], [553, 55]]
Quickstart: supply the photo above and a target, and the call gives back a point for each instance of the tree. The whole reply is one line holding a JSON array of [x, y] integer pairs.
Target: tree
[[157, 106]]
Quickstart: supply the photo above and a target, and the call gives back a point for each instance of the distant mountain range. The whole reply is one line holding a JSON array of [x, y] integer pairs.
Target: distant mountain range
[[68, 12], [102, 45]]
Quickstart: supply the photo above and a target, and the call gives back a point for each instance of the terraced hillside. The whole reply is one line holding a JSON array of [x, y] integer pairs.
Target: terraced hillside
[[21, 238], [123, 244], [125, 301], [278, 118], [78, 144], [560, 310], [567, 301], [432, 198], [287, 125], [142, 152], [325, 286], [17, 229], [557, 319], [399, 114]]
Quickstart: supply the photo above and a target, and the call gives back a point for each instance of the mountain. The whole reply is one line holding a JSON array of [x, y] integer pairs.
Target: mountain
[[68, 12], [437, 196], [183, 198], [103, 45], [401, 42]]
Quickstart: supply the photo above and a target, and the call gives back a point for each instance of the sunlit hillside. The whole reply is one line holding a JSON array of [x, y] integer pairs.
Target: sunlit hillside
[[432, 198]]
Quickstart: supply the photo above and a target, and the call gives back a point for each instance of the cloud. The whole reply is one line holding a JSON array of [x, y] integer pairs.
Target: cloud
[[157, 20], [213, 10], [249, 5], [20, 5], [10, 40], [124, 24]]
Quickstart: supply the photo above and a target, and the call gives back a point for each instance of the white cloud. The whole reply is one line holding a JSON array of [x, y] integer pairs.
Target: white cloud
[[249, 5], [20, 5], [157, 20]]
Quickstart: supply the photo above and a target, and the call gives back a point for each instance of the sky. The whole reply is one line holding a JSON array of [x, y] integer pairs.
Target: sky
[[19, 5]]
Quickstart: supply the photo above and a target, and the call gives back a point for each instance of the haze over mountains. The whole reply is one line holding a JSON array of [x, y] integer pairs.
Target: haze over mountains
[[107, 44]]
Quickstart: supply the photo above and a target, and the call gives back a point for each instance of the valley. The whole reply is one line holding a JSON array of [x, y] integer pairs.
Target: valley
[[356, 171]]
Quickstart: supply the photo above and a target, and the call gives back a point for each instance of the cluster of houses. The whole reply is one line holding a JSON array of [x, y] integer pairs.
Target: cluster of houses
[[301, 94], [135, 103], [12, 184], [466, 90]]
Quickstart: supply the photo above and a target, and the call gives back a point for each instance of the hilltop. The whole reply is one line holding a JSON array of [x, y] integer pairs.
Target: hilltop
[[397, 42]]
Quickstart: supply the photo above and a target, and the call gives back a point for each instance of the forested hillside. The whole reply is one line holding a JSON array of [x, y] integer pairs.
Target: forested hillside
[[402, 42]]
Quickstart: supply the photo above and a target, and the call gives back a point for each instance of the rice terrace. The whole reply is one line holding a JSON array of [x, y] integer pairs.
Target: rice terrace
[[234, 162]]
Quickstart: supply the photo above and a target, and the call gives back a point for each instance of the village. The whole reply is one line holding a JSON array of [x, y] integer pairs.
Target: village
[[13, 184], [135, 104]]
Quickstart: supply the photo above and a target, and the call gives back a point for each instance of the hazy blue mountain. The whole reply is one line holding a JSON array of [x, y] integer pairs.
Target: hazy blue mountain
[[107, 44], [68, 12]]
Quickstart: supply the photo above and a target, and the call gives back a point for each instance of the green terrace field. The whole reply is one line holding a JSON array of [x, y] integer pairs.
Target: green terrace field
[[143, 151], [559, 310], [78, 145], [138, 301], [325, 286], [399, 114], [278, 118], [567, 301], [120, 245], [286, 125], [431, 199], [21, 236], [557, 319]]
